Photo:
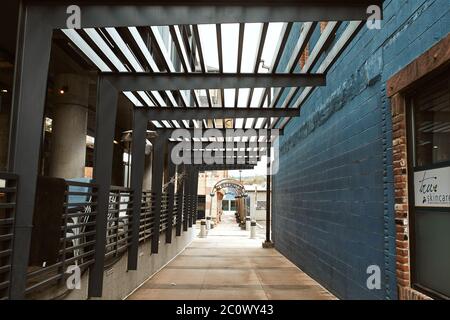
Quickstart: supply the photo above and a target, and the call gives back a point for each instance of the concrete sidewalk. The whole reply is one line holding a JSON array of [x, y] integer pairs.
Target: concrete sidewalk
[[228, 265]]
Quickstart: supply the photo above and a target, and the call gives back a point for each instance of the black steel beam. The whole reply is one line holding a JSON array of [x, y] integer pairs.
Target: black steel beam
[[225, 167], [190, 182], [225, 151], [192, 113], [268, 199], [170, 191], [187, 175], [157, 176], [30, 88], [188, 81], [195, 195], [107, 98], [123, 14], [231, 132], [179, 227], [137, 173]]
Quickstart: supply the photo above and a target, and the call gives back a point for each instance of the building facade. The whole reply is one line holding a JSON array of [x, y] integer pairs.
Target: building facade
[[343, 199]]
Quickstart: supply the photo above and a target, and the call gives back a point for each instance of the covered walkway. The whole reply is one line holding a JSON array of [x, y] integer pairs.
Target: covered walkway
[[227, 265]]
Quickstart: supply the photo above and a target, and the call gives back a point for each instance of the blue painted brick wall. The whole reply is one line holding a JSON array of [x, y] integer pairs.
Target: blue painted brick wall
[[333, 207]]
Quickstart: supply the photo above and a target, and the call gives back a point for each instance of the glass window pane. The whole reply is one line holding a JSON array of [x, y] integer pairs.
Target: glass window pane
[[432, 122], [432, 263]]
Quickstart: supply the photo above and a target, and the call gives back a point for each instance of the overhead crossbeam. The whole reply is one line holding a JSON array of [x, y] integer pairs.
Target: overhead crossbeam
[[232, 131], [172, 12], [192, 113], [190, 81], [225, 167]]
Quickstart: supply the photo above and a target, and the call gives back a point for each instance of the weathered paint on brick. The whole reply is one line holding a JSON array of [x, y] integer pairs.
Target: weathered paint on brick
[[334, 197]]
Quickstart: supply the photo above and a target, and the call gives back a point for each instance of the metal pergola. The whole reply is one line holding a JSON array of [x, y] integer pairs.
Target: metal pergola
[[124, 43]]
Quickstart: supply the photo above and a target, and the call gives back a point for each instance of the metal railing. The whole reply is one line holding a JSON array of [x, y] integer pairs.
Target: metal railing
[[147, 218], [119, 223], [8, 190], [77, 240], [76, 245], [163, 222], [177, 208]]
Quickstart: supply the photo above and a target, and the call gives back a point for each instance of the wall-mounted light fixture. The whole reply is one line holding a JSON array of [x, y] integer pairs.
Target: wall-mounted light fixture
[[64, 90]]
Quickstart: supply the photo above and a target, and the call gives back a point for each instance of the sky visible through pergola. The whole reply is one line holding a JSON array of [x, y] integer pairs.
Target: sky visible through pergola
[[230, 34]]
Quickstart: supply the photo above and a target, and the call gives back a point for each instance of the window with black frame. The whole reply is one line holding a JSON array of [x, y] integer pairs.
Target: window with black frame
[[430, 219]]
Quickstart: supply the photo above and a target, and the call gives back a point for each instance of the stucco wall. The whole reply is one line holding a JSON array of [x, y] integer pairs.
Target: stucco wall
[[118, 283]]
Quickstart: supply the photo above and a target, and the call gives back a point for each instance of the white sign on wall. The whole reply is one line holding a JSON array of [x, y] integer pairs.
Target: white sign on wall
[[432, 188]]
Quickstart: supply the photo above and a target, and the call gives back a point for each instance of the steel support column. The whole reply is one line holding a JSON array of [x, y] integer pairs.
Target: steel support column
[[140, 123], [268, 242], [179, 226], [195, 193], [191, 196], [186, 198], [157, 177], [188, 193], [107, 98], [30, 87], [170, 193]]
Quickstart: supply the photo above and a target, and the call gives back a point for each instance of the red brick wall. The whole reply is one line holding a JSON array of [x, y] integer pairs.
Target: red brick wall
[[400, 163], [400, 160]]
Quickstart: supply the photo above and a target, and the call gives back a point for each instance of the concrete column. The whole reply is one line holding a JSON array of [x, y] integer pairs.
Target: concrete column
[[147, 182], [68, 155]]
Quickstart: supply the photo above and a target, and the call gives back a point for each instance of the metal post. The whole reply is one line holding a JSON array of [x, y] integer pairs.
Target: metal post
[[195, 193], [252, 229], [157, 177], [203, 229], [30, 87], [107, 97], [170, 192], [179, 227], [268, 243], [191, 196], [208, 218], [186, 201], [140, 123]]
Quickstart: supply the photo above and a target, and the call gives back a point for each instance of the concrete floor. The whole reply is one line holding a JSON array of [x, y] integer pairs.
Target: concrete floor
[[227, 265]]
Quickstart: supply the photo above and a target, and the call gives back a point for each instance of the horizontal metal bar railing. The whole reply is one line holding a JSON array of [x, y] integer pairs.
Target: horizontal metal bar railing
[[77, 240], [177, 208], [163, 223], [119, 222], [76, 244], [8, 190], [147, 218]]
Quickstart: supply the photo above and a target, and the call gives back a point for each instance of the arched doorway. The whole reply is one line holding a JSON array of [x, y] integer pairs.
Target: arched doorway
[[231, 200]]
